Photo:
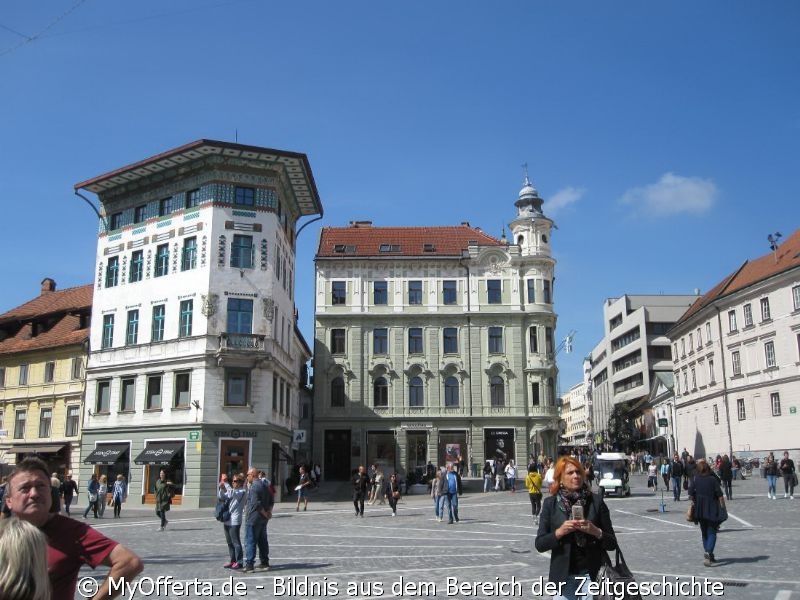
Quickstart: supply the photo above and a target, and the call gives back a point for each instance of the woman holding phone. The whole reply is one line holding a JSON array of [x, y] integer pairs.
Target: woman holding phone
[[575, 526]]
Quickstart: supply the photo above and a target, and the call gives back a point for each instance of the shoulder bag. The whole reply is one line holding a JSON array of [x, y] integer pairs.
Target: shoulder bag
[[614, 573]]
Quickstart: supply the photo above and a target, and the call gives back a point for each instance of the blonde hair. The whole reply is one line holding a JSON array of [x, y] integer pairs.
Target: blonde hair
[[23, 570]]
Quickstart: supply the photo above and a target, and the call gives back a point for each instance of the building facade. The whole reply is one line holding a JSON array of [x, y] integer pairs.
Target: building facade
[[737, 351], [195, 364], [42, 360], [574, 413], [434, 344]]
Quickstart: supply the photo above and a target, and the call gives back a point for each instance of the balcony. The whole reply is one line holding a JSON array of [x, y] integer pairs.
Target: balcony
[[544, 411], [246, 342]]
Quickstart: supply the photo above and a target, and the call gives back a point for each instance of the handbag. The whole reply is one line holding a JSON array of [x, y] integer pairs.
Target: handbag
[[723, 511], [395, 494], [92, 497], [614, 573], [222, 512], [794, 479], [690, 513]]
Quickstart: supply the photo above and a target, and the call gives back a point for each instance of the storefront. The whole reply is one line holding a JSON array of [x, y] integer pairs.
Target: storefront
[[382, 450], [166, 455], [452, 447], [55, 455], [499, 444], [111, 459]]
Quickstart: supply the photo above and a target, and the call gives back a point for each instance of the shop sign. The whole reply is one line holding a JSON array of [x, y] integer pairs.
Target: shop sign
[[235, 433], [194, 436], [414, 425]]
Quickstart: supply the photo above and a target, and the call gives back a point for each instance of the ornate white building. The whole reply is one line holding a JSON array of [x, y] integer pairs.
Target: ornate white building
[[434, 344]]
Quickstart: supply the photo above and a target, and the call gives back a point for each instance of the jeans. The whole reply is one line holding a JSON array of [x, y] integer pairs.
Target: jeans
[[436, 506], [358, 502], [234, 540], [571, 585], [162, 514], [91, 506], [536, 504], [101, 504], [676, 487], [452, 505], [727, 486], [772, 481], [709, 532], [788, 484], [117, 506], [67, 503], [255, 538], [735, 473], [487, 483]]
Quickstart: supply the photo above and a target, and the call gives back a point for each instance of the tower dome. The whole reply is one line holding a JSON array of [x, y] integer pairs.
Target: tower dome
[[529, 200]]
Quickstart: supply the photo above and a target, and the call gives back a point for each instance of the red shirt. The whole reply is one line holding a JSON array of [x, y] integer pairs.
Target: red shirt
[[70, 545]]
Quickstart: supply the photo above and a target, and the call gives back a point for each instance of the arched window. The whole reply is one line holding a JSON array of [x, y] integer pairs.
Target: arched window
[[520, 240], [415, 394], [498, 393], [551, 392], [337, 393], [451, 391], [380, 392]]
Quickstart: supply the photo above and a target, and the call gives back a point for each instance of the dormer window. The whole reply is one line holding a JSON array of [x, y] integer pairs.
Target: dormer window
[[339, 248], [343, 249], [428, 248], [389, 248]]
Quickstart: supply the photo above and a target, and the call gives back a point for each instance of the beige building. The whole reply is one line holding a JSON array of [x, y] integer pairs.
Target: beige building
[[574, 413], [42, 359], [434, 344], [736, 355]]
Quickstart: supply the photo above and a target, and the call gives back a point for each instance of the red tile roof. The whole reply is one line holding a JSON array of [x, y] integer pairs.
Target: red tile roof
[[48, 303], [361, 239], [785, 258]]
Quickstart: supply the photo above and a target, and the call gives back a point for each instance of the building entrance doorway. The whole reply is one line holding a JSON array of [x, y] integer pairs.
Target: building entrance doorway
[[337, 455], [234, 457]]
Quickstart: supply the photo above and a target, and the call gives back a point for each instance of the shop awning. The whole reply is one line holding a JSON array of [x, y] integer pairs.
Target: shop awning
[[159, 453], [35, 449], [106, 454]]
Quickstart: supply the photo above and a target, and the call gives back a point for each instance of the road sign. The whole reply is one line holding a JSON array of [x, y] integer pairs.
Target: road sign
[[663, 423], [792, 410], [299, 436], [194, 436]]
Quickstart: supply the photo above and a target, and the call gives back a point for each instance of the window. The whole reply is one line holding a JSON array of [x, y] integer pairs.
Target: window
[[159, 316], [244, 196], [380, 340], [415, 292], [748, 315], [711, 378], [708, 333], [164, 207], [132, 330], [497, 391], [338, 341], [533, 339], [740, 409], [769, 354], [380, 393], [449, 291], [380, 294], [49, 372], [389, 248], [45, 421], [242, 251], [732, 321], [112, 272], [796, 297], [115, 222], [691, 342], [535, 394], [20, 418], [531, 291], [451, 392], [337, 393], [185, 324], [677, 383], [189, 254], [73, 419], [274, 393], [2, 377], [546, 291], [548, 341], [775, 401], [77, 368], [699, 340], [685, 382], [240, 315], [765, 314], [137, 266], [415, 340], [683, 346], [450, 340], [192, 198], [493, 291], [153, 393], [675, 349], [416, 397], [495, 340], [162, 260], [237, 387], [339, 293], [127, 394], [183, 393], [108, 331], [102, 404], [736, 363], [23, 374], [694, 379], [716, 414], [140, 213]]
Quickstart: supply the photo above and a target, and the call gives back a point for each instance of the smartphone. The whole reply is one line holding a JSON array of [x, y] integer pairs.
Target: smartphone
[[577, 512]]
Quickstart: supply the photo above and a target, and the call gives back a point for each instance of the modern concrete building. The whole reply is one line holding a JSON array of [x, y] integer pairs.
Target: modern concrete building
[[42, 360], [195, 363], [434, 344], [634, 348], [574, 413], [736, 355]]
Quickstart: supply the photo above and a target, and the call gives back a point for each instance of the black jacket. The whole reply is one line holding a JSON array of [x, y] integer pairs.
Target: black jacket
[[551, 518], [676, 469], [705, 491], [360, 482]]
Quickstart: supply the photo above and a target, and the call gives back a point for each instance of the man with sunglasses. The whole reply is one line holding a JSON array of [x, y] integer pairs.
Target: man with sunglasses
[[257, 513]]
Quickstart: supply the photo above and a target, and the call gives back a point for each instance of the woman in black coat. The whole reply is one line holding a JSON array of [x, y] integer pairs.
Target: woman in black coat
[[726, 476], [709, 507], [576, 545]]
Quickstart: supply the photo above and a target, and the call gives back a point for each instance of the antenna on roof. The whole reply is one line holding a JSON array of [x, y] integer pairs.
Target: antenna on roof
[[525, 170], [236, 135], [773, 238]]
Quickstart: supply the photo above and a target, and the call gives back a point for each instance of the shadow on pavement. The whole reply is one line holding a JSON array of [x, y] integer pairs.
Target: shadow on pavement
[[743, 559]]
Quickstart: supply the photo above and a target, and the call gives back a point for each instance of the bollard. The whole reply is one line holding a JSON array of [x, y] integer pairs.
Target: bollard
[[663, 506]]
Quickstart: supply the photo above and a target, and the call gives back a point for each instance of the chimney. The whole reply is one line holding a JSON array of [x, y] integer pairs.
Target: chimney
[[48, 285], [360, 224]]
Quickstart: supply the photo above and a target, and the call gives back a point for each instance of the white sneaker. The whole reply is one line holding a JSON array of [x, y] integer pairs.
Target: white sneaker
[[791, 497], [769, 495], [785, 496]]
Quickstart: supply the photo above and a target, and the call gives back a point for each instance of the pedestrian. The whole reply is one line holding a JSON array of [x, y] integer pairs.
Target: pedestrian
[[393, 493], [302, 489], [664, 470], [726, 476], [69, 489], [676, 471], [575, 527], [360, 483], [92, 490], [533, 483], [487, 476], [23, 570], [119, 494], [234, 496], [71, 544], [377, 494], [164, 491], [736, 467], [318, 474], [787, 470], [435, 491], [102, 496], [257, 515], [452, 489], [652, 477], [771, 473], [549, 474], [55, 492], [511, 474], [709, 508]]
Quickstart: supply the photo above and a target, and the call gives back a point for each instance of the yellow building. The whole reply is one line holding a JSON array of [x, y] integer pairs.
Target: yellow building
[[43, 349]]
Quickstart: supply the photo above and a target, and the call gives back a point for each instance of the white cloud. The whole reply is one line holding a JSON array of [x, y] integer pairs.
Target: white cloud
[[672, 195], [562, 198]]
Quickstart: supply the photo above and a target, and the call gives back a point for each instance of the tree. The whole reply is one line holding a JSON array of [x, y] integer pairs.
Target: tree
[[620, 428]]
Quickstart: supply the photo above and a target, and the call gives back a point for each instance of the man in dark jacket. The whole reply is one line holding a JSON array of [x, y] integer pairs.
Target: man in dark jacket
[[787, 470], [68, 489], [360, 482], [676, 470], [257, 513]]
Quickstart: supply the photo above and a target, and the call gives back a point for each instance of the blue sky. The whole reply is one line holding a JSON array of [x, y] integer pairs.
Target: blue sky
[[663, 136]]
